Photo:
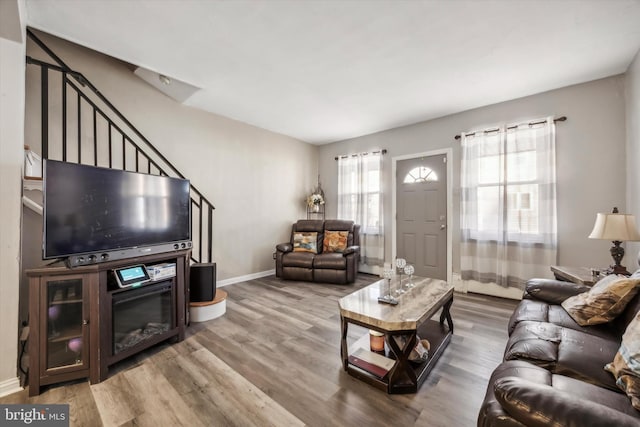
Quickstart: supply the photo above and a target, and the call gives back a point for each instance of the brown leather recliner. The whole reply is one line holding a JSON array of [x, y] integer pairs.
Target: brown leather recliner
[[553, 369], [332, 267]]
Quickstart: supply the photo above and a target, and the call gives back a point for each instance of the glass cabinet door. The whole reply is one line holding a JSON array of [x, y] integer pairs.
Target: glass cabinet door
[[65, 323]]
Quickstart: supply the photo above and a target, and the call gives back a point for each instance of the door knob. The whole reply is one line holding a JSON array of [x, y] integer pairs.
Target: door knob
[[442, 226]]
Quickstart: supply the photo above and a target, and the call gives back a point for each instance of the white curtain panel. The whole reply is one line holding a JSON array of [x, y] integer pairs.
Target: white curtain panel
[[508, 204], [360, 200]]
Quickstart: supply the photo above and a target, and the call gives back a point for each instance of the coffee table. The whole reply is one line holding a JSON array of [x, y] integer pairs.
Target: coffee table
[[400, 323]]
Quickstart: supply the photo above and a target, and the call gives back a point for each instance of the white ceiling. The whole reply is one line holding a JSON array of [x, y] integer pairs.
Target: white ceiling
[[323, 71]]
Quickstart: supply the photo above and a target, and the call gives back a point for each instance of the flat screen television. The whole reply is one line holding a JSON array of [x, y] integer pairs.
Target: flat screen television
[[93, 214]]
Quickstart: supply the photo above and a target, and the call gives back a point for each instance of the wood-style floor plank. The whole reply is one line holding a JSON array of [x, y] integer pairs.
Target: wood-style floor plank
[[274, 360]]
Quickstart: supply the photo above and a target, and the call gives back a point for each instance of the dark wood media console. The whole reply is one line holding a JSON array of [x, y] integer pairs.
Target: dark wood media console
[[81, 322]]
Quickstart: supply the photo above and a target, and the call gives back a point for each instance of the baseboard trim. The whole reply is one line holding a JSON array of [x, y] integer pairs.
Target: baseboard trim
[[370, 269], [245, 278], [12, 385], [494, 290]]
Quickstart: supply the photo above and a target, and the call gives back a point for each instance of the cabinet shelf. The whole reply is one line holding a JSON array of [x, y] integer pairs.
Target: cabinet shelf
[[67, 334], [66, 301], [64, 359], [437, 335]]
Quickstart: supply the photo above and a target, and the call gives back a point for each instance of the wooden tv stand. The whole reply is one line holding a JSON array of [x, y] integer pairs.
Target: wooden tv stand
[[71, 323]]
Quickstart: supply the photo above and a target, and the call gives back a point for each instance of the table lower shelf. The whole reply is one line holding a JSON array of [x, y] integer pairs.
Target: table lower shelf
[[438, 335]]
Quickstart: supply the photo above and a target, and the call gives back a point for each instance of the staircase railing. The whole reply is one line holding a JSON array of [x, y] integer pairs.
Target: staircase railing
[[112, 140]]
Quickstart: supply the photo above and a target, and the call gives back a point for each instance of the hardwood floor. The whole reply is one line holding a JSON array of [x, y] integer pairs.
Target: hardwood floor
[[274, 360]]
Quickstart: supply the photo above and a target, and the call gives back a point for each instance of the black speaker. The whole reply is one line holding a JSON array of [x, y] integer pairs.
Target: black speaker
[[202, 282]]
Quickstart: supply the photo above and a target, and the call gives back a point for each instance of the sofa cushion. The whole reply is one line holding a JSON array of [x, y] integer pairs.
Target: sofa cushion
[[539, 405], [305, 241], [552, 291], [333, 261], [335, 241], [492, 413], [298, 273], [298, 259], [540, 311], [604, 302], [563, 351], [626, 364], [316, 225]]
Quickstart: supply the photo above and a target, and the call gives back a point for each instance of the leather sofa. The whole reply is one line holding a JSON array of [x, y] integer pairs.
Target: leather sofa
[[553, 369], [328, 267]]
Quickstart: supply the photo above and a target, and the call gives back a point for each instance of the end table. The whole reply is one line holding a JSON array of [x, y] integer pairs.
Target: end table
[[581, 275]]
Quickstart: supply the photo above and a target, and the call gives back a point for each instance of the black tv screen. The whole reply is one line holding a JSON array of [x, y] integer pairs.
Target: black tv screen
[[90, 209]]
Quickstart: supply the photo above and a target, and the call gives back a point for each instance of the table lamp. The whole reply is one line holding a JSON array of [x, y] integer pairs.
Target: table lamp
[[618, 228]]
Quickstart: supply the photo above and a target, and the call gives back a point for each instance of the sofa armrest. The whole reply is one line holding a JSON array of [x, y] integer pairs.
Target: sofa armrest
[[553, 291], [351, 250], [540, 405], [284, 247]]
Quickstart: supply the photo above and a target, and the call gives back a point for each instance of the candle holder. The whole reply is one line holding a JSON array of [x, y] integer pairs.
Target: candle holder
[[400, 264], [388, 298], [409, 270]]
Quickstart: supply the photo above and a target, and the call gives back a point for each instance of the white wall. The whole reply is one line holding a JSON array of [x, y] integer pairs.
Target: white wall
[[12, 50], [256, 179], [590, 159], [632, 92]]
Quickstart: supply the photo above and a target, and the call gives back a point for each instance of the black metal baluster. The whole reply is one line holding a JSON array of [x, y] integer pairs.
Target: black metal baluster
[[44, 87], [210, 233], [200, 231], [95, 139], [64, 117], [79, 128], [193, 203], [110, 147]]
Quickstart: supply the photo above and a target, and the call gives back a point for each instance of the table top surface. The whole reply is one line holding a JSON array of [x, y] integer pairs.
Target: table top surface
[[414, 307], [574, 274]]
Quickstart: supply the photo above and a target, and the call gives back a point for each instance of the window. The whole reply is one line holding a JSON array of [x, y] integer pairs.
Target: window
[[360, 200], [503, 179], [420, 174], [507, 181], [359, 195]]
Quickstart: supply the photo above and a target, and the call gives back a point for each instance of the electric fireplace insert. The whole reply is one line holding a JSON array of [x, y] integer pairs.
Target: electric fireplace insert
[[142, 314]]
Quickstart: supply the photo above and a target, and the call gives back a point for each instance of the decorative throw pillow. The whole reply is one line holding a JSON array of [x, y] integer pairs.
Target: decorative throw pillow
[[335, 241], [603, 302], [306, 241], [626, 364]]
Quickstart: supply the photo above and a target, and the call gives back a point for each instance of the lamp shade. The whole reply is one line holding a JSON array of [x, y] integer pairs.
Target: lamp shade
[[615, 227]]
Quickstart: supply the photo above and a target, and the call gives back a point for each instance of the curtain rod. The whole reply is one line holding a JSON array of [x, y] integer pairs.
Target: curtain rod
[[383, 152], [559, 119]]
